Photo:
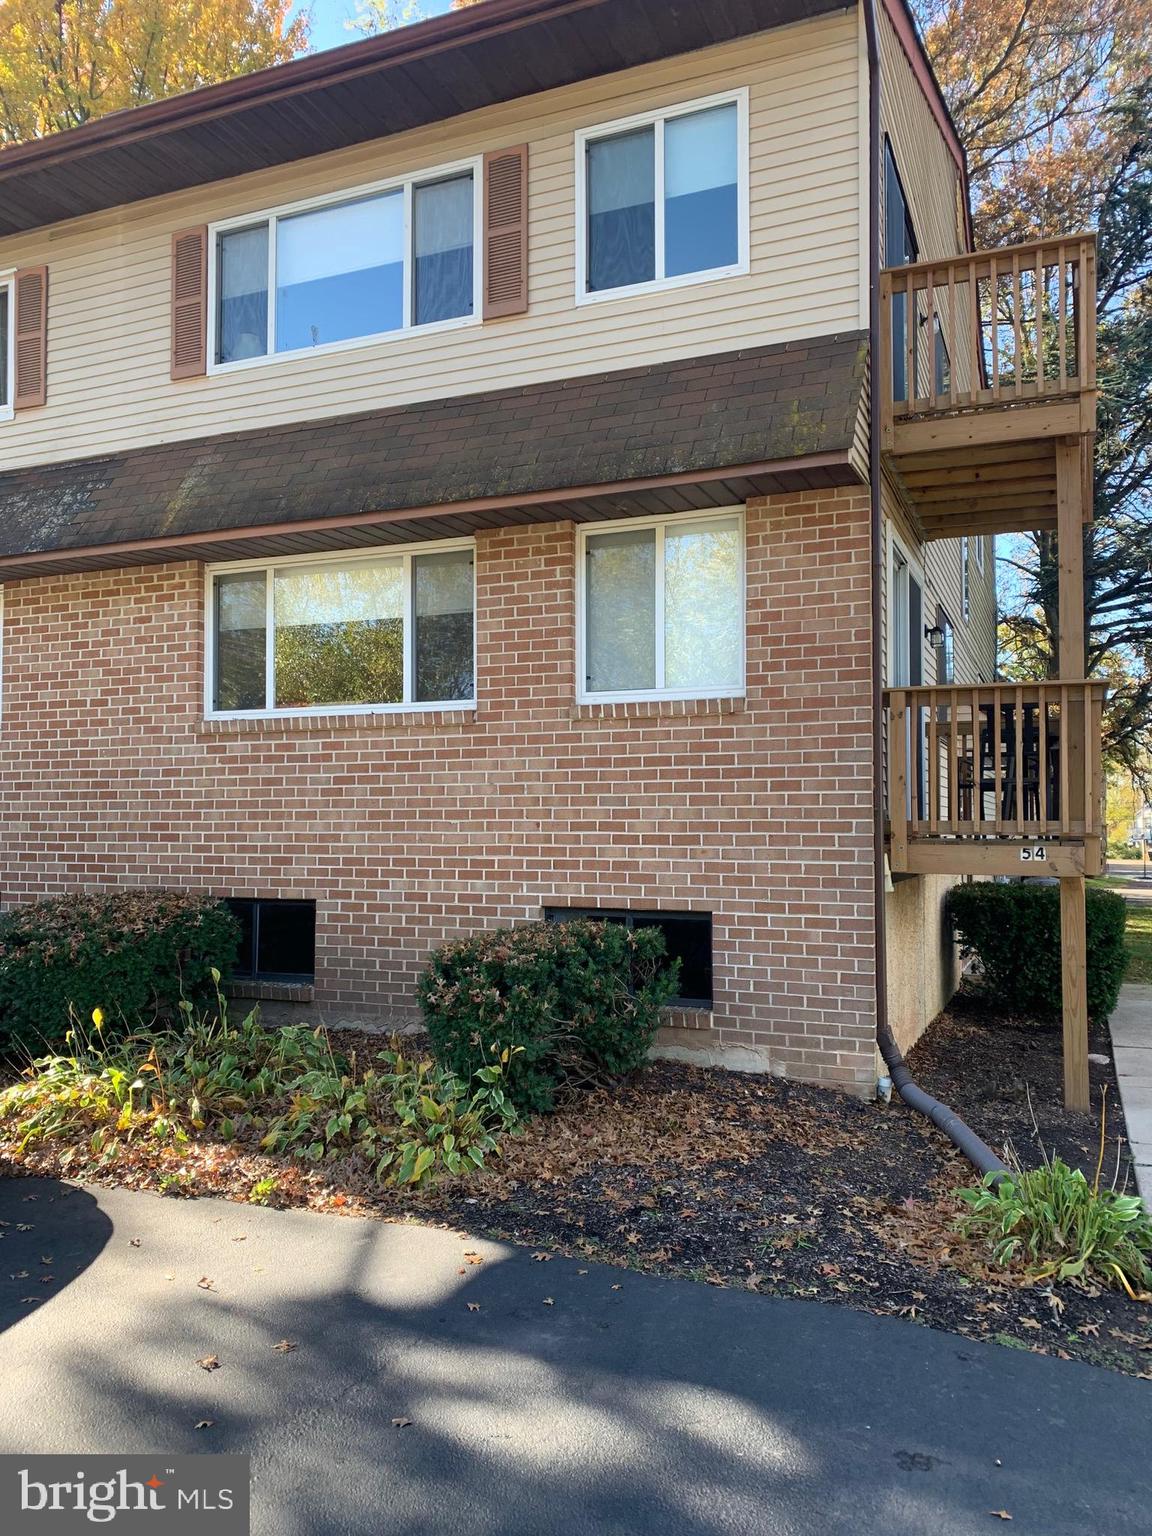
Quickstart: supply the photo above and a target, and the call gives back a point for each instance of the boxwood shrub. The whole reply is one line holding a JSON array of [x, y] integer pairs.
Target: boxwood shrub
[[573, 1003], [131, 953], [1014, 930]]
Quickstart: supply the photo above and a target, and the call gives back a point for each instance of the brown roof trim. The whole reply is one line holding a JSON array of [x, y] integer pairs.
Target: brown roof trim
[[577, 503], [348, 62], [431, 71]]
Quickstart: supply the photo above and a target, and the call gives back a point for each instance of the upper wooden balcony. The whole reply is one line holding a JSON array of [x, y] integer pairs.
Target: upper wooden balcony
[[990, 360]]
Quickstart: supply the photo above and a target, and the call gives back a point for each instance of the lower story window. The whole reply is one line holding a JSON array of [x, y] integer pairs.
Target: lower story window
[[687, 938], [662, 608], [355, 632], [277, 940]]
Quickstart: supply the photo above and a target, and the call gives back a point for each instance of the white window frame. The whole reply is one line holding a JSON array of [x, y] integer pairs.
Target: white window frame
[[8, 286], [902, 567], [406, 553], [634, 524], [965, 578], [658, 118], [269, 216]]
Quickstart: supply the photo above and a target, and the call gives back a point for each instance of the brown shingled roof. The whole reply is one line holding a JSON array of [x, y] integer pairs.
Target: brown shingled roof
[[697, 432]]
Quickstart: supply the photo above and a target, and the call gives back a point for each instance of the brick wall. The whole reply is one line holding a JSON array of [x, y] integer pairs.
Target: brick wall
[[409, 829]]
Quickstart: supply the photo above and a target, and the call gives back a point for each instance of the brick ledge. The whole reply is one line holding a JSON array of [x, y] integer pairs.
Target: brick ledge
[[645, 709], [375, 724]]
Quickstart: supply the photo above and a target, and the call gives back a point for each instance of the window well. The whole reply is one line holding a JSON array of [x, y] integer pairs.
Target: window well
[[687, 938], [277, 940]]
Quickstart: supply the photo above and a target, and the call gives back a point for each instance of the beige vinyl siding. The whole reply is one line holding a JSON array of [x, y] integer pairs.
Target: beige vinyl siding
[[927, 170], [109, 385]]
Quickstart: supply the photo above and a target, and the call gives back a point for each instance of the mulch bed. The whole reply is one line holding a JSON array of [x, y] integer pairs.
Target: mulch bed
[[754, 1182]]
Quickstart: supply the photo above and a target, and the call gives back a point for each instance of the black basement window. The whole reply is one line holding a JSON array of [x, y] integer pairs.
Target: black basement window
[[687, 938], [277, 940]]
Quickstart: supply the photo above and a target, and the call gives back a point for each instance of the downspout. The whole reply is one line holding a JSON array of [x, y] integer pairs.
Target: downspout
[[962, 1136]]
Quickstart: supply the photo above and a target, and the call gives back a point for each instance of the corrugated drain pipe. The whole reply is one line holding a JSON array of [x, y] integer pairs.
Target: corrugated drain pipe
[[978, 1152]]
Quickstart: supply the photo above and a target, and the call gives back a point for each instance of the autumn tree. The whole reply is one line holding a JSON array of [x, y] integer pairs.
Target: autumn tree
[[1030, 84], [64, 62], [1053, 103]]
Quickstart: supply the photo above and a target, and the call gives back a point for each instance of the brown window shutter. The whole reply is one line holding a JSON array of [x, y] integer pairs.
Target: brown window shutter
[[31, 337], [505, 232], [190, 303]]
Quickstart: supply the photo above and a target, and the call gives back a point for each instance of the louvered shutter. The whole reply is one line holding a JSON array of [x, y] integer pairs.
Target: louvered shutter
[[31, 337], [505, 232], [190, 303]]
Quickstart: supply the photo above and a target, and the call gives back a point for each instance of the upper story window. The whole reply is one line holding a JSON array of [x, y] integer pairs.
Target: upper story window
[[332, 271], [348, 633], [663, 199], [661, 605], [7, 349]]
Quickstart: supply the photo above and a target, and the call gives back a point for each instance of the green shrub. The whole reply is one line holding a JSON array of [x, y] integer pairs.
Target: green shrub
[[1051, 1224], [572, 1003], [131, 953], [1014, 930]]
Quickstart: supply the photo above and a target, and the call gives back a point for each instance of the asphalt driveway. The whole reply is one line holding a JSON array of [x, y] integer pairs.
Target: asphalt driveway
[[543, 1397]]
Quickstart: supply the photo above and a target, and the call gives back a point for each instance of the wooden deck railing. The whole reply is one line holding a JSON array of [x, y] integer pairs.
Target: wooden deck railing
[[996, 760], [993, 328]]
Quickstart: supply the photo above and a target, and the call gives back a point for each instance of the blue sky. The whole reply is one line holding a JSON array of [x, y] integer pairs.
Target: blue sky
[[330, 19]]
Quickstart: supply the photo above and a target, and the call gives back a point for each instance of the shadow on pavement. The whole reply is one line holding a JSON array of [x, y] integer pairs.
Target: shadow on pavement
[[32, 1272], [550, 1398]]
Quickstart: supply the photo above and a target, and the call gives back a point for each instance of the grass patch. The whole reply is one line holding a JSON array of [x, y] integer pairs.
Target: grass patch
[[1138, 933]]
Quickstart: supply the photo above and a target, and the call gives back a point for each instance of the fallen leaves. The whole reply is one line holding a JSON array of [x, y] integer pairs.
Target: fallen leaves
[[205, 1284], [133, 1242], [285, 1346], [548, 1301], [209, 1363], [473, 1306], [204, 1424], [1000, 1514], [401, 1423]]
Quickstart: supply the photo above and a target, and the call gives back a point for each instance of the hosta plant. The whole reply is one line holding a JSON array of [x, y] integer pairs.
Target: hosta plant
[[1050, 1223]]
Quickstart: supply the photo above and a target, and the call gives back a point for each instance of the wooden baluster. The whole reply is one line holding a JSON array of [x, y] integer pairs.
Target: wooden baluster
[[1062, 313], [977, 754], [1019, 706], [1088, 288], [997, 760], [910, 323], [887, 361], [951, 339], [898, 779], [1064, 816], [1042, 754], [930, 342], [975, 336], [993, 285], [1092, 726], [933, 771], [959, 751], [1038, 298], [1017, 333]]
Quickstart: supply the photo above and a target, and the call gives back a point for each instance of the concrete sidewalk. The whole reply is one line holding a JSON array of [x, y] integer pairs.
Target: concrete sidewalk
[[544, 1398], [1131, 1030]]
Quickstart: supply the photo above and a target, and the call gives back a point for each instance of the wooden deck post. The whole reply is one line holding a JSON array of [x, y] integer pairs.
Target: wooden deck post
[[1073, 961], [1072, 658]]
